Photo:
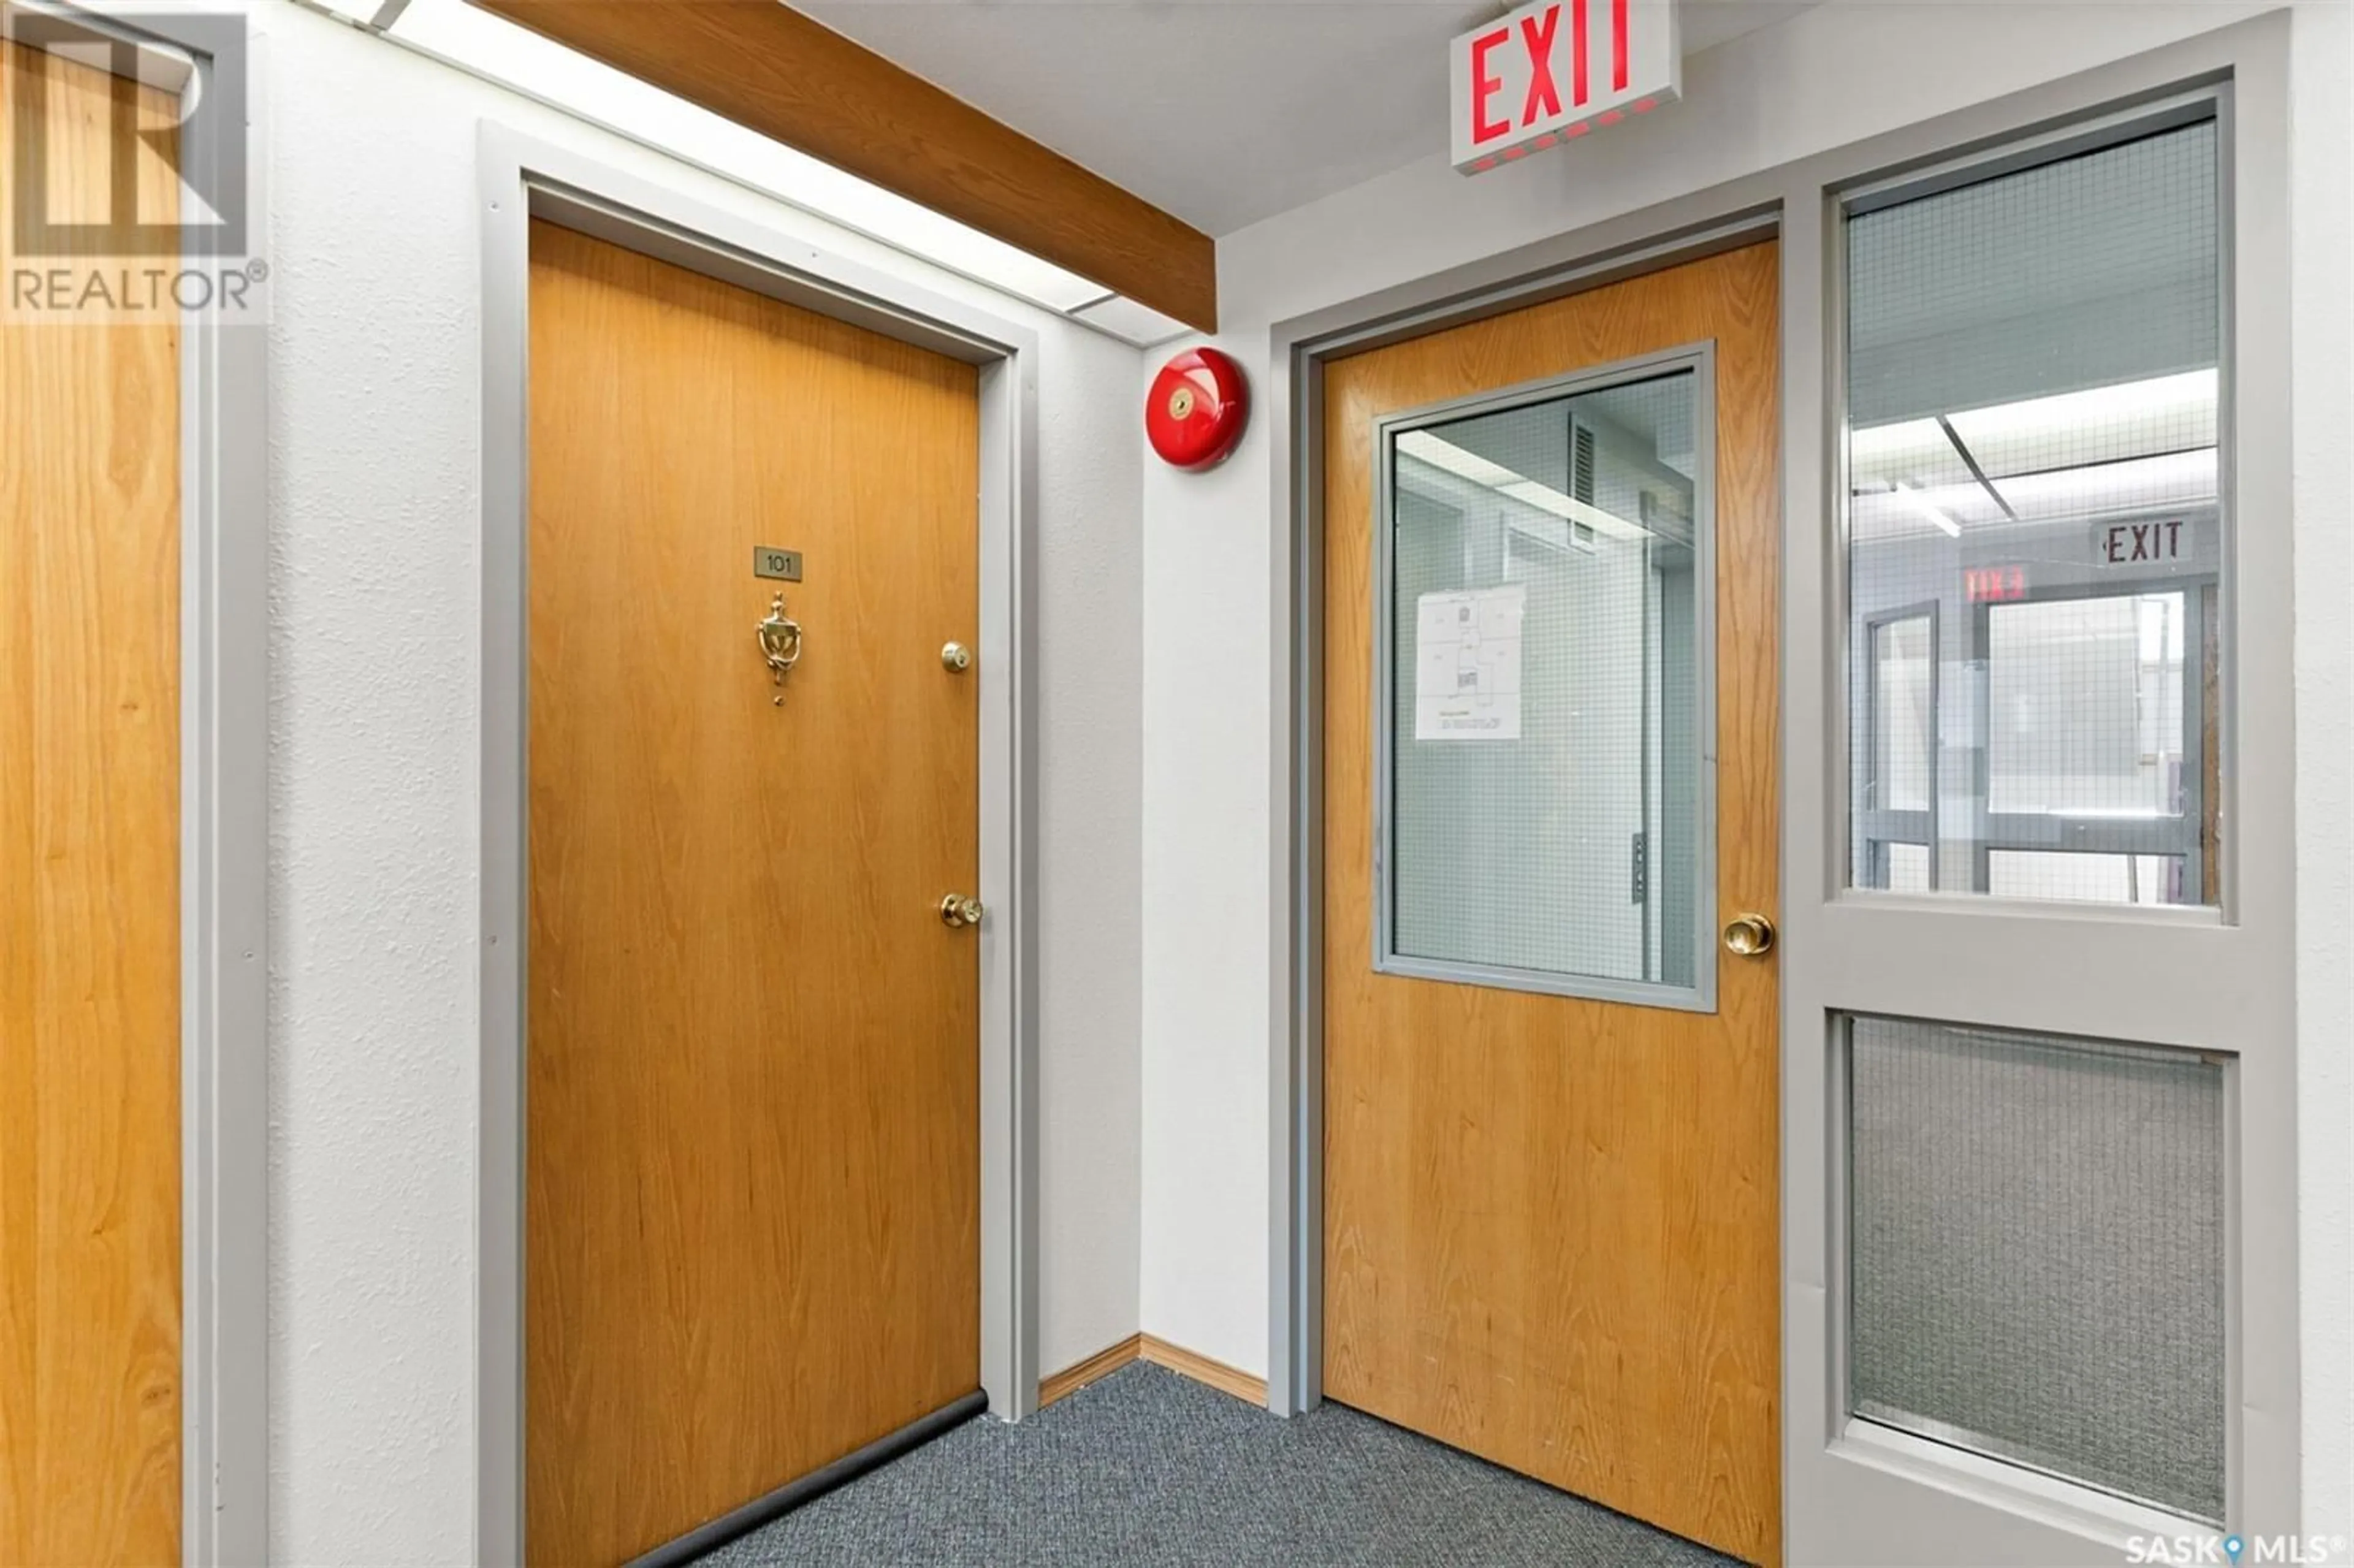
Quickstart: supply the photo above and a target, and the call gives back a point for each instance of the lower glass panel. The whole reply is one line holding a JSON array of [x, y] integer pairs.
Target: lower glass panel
[[2036, 1253]]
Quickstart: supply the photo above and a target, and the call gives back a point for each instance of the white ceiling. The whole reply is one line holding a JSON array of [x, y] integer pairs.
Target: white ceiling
[[1221, 112]]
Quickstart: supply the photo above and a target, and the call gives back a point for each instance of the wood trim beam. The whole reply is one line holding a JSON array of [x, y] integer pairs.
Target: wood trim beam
[[771, 68]]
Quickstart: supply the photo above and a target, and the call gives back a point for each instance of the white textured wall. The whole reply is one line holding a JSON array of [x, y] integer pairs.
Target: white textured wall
[[1091, 873], [373, 593], [1832, 75]]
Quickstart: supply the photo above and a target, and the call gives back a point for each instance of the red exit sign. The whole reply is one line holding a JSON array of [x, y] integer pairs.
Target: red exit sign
[[1994, 585], [1555, 70]]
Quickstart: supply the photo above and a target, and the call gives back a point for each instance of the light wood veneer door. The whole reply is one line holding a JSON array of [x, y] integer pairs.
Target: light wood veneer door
[[753, 1169], [89, 875], [1550, 1232]]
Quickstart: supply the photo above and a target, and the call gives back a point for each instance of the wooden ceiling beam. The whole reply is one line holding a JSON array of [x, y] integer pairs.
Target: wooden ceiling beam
[[771, 68]]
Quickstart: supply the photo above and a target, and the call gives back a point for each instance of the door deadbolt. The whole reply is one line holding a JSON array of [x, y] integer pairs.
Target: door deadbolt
[[958, 910]]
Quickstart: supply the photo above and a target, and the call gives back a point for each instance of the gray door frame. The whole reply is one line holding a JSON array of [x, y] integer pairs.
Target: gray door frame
[[522, 179], [2202, 976], [224, 653]]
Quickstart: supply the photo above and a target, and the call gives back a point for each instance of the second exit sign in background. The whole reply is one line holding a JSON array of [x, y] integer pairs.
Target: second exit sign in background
[[1555, 71]]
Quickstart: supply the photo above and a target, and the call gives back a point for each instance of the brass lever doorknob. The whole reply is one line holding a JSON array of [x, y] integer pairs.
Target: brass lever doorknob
[[1747, 935], [956, 909]]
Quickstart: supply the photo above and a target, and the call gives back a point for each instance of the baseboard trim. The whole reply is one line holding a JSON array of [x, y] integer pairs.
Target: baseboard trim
[[1077, 1375], [1160, 1353], [1201, 1368]]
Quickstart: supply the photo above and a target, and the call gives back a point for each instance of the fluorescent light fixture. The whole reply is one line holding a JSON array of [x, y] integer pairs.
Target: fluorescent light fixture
[[2179, 409], [2170, 480], [1447, 455], [1123, 317], [1916, 448], [1545, 498], [2137, 486], [1921, 505], [1440, 454], [2141, 419]]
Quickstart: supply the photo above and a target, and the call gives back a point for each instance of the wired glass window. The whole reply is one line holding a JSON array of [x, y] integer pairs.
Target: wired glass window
[[1543, 570], [2037, 1253], [2034, 535]]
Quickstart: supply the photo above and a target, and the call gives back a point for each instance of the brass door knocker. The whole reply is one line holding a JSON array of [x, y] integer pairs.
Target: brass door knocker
[[781, 642]]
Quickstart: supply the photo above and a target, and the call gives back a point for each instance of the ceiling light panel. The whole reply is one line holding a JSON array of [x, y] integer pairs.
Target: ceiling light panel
[[360, 11], [1915, 451], [2138, 485], [1929, 511], [1443, 454], [1124, 318], [2104, 424], [2074, 430]]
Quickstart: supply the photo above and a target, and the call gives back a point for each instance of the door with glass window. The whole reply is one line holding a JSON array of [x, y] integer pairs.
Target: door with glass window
[[1550, 820]]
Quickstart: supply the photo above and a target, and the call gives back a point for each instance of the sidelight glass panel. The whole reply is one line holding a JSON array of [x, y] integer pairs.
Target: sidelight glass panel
[[2033, 443], [1547, 791], [2036, 1253]]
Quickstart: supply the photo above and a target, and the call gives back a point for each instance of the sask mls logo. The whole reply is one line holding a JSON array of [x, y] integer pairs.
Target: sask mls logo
[[125, 180], [2237, 1549]]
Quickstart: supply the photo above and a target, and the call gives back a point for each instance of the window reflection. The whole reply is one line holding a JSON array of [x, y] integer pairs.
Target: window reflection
[[2033, 458]]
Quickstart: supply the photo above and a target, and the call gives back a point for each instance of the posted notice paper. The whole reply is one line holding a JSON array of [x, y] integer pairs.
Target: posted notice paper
[[1466, 648]]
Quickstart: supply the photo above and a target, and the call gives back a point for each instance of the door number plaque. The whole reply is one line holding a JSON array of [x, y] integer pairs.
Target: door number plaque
[[784, 566]]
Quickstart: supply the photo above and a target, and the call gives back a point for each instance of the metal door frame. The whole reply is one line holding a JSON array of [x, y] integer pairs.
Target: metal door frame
[[1844, 1499], [523, 179]]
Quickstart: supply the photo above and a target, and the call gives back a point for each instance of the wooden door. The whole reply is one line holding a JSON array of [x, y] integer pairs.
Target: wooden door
[[753, 1168], [89, 875], [1550, 1232]]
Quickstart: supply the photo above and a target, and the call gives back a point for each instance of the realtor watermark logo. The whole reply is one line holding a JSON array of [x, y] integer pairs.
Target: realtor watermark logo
[[125, 189], [2236, 1551]]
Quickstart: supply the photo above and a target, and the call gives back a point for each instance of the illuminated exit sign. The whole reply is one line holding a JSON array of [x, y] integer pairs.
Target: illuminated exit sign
[[1553, 71], [1994, 585]]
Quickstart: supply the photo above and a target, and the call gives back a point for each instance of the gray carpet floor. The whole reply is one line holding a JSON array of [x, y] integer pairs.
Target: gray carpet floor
[[1145, 1469]]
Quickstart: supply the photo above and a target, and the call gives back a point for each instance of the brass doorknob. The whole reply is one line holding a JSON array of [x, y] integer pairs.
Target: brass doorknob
[[958, 910], [1747, 935], [956, 658]]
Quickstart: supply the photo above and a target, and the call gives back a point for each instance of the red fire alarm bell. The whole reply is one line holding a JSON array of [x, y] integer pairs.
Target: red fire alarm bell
[[1195, 410]]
